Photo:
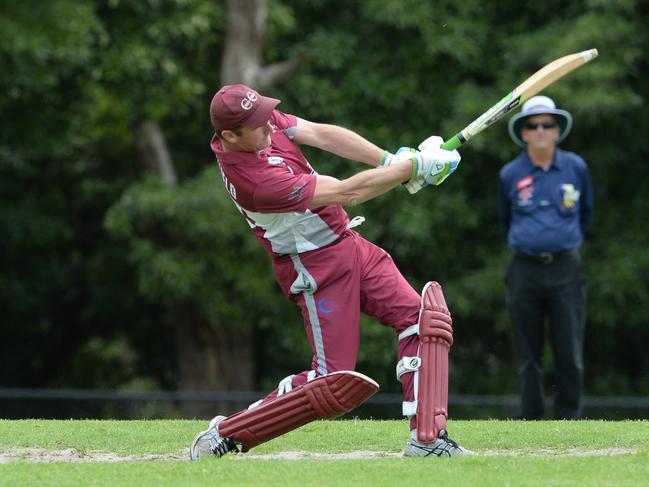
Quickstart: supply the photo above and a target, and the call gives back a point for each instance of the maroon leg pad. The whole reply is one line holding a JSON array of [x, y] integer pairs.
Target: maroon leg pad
[[325, 397], [436, 338]]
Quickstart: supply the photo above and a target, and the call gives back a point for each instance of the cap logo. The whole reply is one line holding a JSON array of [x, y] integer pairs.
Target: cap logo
[[246, 103]]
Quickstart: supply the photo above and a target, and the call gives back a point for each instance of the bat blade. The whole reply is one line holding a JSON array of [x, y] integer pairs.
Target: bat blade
[[544, 77]]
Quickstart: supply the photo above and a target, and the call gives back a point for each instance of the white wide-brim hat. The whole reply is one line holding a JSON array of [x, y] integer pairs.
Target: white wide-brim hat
[[538, 105]]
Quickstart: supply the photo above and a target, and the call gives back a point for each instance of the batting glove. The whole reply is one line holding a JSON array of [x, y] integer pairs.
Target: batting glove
[[432, 164]]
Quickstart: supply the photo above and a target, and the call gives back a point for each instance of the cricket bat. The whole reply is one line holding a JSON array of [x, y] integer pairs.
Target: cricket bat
[[544, 77]]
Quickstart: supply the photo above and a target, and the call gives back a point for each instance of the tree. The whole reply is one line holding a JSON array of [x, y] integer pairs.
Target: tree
[[215, 348]]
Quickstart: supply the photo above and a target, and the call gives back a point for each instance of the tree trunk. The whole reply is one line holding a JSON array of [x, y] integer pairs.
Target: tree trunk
[[217, 358], [154, 152], [245, 37]]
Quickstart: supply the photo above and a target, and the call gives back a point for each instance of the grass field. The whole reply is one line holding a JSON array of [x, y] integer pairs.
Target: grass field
[[337, 453]]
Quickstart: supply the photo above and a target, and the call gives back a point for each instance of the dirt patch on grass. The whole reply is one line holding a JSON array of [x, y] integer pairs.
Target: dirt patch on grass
[[71, 455], [362, 455], [570, 452], [305, 455]]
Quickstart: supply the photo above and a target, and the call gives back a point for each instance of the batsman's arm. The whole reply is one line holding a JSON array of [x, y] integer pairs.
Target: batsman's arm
[[362, 186], [339, 141]]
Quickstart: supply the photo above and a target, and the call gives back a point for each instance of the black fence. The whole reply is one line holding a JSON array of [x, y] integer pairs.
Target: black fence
[[116, 404]]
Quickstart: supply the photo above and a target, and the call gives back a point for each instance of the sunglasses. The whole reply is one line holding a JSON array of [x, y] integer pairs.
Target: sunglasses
[[545, 125]]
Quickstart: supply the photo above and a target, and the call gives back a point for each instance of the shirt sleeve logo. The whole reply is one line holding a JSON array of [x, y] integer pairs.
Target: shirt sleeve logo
[[296, 193]]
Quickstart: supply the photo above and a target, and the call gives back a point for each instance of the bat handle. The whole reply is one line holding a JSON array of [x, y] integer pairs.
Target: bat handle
[[454, 142]]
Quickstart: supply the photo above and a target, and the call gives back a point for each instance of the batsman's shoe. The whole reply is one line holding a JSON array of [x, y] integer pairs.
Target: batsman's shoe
[[442, 447], [209, 443]]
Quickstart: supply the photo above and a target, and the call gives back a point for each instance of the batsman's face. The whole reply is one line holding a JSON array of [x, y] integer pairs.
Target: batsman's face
[[250, 139], [540, 132]]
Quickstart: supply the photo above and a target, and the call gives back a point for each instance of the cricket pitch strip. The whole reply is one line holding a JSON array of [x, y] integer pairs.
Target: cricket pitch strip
[[71, 455]]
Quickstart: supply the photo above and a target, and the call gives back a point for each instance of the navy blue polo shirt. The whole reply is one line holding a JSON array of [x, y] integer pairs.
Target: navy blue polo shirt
[[545, 211]]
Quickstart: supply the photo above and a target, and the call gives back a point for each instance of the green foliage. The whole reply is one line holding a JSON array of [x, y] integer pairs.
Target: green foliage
[[189, 244], [43, 71], [66, 153], [81, 300]]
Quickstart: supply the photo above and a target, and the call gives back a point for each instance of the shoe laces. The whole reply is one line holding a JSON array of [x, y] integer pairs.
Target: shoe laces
[[444, 436], [220, 446], [442, 446]]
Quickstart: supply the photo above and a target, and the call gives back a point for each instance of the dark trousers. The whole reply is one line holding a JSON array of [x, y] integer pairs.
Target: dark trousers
[[554, 293]]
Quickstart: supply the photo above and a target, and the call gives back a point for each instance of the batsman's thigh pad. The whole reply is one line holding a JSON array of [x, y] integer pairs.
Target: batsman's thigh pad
[[430, 366], [325, 397]]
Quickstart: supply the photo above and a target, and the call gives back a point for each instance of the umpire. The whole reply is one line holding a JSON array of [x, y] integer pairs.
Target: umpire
[[545, 205]]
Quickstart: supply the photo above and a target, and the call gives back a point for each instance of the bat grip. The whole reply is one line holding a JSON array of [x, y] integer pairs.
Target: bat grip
[[453, 143]]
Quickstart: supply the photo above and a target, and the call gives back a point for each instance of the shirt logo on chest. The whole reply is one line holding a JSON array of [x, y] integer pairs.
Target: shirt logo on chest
[[278, 161], [570, 195], [525, 188]]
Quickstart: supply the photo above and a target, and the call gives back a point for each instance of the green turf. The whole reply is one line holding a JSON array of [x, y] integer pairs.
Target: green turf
[[543, 453]]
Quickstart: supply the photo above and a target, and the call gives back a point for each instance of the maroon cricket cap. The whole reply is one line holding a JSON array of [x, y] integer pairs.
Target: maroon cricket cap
[[240, 106]]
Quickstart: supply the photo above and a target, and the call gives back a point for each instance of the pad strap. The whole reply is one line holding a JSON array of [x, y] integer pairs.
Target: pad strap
[[404, 366], [285, 385], [409, 408], [409, 364], [411, 330]]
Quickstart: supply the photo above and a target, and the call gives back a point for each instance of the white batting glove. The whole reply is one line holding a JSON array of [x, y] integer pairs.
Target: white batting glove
[[432, 164], [432, 142]]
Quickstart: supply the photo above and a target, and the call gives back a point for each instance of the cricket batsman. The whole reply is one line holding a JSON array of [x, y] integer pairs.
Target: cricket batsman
[[331, 272]]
